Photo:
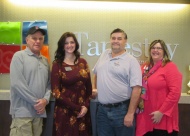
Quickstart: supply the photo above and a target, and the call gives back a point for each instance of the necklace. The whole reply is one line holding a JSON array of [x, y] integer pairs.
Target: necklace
[[69, 61]]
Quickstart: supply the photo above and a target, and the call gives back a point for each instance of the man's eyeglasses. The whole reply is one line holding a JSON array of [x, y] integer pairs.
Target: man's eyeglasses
[[157, 48]]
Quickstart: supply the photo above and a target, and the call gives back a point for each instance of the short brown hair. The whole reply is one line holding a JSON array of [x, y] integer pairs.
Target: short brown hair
[[118, 30]]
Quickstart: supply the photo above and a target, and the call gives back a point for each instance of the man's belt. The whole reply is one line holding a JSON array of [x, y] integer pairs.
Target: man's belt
[[110, 105]]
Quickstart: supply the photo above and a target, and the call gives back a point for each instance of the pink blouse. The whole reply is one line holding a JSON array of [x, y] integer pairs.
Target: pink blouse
[[164, 90]]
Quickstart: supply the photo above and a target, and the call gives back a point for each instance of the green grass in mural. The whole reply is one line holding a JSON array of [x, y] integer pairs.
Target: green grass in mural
[[10, 32]]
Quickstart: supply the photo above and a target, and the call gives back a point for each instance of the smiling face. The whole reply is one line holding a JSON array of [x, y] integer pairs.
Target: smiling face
[[118, 42], [35, 42], [69, 45], [156, 52]]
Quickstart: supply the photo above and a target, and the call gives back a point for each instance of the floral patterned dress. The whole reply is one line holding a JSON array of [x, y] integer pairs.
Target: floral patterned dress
[[72, 88]]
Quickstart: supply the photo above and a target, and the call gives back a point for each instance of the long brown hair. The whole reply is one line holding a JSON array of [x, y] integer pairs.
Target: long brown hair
[[60, 53]]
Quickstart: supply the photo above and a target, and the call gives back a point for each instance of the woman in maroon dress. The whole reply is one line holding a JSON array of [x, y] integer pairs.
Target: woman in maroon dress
[[71, 87]]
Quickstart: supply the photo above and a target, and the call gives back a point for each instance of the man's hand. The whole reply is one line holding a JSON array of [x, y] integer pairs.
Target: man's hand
[[135, 96], [40, 106], [94, 93], [128, 120]]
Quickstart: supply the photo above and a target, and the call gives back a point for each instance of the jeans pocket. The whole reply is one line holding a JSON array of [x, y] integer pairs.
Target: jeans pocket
[[116, 115]]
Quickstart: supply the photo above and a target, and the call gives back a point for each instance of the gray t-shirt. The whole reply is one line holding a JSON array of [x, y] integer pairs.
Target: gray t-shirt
[[116, 77]]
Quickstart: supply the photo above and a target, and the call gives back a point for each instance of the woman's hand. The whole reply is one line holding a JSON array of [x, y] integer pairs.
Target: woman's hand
[[82, 112], [156, 116]]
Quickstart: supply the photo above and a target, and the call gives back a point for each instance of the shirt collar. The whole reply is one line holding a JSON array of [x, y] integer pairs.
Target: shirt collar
[[29, 52], [118, 57]]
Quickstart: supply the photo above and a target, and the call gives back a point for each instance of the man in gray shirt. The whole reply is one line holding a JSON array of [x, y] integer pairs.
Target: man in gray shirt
[[117, 82], [30, 86]]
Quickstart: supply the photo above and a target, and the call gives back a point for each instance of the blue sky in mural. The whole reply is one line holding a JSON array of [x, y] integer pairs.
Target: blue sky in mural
[[28, 24]]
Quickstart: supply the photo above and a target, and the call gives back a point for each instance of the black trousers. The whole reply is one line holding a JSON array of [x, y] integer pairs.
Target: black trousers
[[158, 132]]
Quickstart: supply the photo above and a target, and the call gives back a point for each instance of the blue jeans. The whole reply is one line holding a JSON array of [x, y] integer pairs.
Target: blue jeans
[[110, 121]]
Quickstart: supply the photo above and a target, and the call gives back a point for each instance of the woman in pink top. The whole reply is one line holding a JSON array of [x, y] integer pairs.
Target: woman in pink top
[[158, 109]]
